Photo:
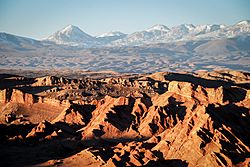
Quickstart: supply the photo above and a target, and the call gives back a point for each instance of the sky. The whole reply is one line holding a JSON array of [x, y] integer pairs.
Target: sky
[[41, 18]]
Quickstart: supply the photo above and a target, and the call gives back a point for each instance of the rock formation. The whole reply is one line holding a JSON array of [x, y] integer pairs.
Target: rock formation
[[161, 119]]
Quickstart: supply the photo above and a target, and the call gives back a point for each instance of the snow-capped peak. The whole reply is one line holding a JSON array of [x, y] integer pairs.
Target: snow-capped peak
[[188, 26], [244, 22], [184, 27], [158, 27], [71, 29], [111, 34], [206, 28], [72, 35]]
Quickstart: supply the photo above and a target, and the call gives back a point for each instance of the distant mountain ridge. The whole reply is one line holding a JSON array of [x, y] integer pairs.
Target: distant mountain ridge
[[73, 36], [181, 48]]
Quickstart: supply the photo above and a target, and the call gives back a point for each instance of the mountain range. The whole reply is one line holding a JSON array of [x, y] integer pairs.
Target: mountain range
[[185, 47], [73, 36]]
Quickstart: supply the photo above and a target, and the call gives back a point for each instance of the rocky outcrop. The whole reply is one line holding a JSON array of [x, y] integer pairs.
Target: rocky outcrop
[[70, 116], [76, 115], [3, 95], [111, 120], [132, 154], [21, 97], [47, 81], [162, 119], [41, 130], [203, 94]]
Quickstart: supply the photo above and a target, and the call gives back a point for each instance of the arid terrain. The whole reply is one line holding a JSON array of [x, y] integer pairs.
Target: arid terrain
[[184, 47], [110, 119]]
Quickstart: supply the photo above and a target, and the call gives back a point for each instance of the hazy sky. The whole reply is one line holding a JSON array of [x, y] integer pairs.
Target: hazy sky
[[40, 18]]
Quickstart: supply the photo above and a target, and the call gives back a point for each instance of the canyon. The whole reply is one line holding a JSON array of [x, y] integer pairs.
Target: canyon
[[115, 119]]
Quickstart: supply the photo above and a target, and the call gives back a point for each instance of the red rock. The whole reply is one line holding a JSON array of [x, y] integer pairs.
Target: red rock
[[182, 88], [70, 116], [201, 120], [21, 97], [41, 130]]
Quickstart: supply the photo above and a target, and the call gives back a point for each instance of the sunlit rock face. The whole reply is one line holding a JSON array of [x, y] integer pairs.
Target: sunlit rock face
[[159, 119]]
